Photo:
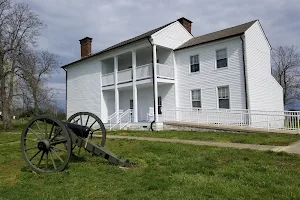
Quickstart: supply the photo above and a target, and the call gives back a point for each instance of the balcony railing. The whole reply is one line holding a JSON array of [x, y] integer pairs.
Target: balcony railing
[[125, 76], [144, 71], [165, 71], [108, 79]]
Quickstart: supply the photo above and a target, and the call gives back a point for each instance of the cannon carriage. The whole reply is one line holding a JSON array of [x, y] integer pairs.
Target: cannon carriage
[[48, 143]]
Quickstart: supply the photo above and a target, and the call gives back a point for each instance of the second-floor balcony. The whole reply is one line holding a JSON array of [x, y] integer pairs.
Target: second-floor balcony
[[142, 72]]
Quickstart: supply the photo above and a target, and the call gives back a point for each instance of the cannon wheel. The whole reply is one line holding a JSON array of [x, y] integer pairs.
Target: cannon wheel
[[46, 144], [97, 134]]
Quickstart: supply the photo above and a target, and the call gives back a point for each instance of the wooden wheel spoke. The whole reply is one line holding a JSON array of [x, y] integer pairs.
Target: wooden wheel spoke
[[29, 148], [96, 130], [35, 155], [59, 149], [87, 120], [55, 135], [46, 167], [35, 133], [52, 161], [45, 128], [33, 140], [93, 123], [38, 126], [38, 165], [51, 131], [57, 155], [81, 129], [76, 121]]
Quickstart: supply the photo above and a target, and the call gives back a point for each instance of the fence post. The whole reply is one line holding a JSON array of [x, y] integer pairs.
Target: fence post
[[241, 122], [298, 122], [268, 122]]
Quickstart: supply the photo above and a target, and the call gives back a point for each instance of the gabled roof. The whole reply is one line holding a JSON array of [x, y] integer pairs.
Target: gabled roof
[[135, 39], [222, 34]]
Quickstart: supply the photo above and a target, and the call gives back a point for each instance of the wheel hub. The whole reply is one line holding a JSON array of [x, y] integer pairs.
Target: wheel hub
[[44, 145]]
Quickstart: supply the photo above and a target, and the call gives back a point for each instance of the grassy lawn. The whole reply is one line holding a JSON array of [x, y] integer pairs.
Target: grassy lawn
[[246, 138], [18, 126], [163, 171]]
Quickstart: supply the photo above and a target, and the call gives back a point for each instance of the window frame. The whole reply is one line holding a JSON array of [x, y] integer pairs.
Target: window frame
[[159, 105], [216, 61], [130, 100], [190, 65], [218, 98], [191, 98]]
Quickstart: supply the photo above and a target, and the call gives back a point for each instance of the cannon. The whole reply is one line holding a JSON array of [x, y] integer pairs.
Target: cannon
[[48, 143]]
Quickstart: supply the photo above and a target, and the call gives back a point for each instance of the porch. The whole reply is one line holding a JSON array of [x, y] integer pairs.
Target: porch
[[137, 65], [145, 103]]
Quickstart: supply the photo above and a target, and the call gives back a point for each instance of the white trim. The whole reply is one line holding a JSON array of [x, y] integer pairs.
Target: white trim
[[219, 49], [156, 33], [155, 82], [229, 97], [197, 72], [191, 97], [207, 44]]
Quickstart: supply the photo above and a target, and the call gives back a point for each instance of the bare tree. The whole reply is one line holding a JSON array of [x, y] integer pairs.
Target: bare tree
[[35, 68], [19, 26], [286, 70]]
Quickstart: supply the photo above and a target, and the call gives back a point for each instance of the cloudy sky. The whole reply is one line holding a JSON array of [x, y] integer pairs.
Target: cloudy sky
[[109, 22]]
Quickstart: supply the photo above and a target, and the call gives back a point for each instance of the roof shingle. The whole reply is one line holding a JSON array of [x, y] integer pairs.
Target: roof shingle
[[222, 34], [135, 39]]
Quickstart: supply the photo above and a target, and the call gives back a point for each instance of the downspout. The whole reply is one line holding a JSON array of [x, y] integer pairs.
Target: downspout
[[248, 119], [66, 90], [154, 100], [245, 74]]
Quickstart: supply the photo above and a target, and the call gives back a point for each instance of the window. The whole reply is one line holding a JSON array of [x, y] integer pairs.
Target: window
[[194, 61], [131, 104], [159, 105], [196, 98], [221, 58], [223, 93]]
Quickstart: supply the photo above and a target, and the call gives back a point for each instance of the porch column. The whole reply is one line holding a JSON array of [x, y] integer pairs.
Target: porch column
[[116, 86], [134, 89], [155, 83], [103, 111]]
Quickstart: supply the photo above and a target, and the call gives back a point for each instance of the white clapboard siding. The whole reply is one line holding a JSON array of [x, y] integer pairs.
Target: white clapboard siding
[[209, 78], [171, 36], [264, 91], [83, 88]]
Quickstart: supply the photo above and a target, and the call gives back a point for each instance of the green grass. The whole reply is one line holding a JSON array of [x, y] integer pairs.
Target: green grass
[[163, 171], [18, 126], [246, 138]]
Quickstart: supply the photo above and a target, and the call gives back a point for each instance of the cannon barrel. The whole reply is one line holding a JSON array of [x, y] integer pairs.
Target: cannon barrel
[[82, 131]]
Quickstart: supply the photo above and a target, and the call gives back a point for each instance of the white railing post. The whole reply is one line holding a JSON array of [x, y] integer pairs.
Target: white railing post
[[268, 122], [298, 122]]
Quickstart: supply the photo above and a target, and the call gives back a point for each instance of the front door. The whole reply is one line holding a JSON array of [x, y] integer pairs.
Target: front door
[[131, 107]]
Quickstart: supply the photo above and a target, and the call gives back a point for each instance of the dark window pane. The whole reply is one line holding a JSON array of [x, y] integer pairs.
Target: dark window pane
[[196, 104], [131, 104], [222, 63], [159, 110], [224, 103], [195, 68]]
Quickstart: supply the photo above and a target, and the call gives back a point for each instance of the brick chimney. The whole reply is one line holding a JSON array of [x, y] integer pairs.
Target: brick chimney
[[86, 46], [186, 23]]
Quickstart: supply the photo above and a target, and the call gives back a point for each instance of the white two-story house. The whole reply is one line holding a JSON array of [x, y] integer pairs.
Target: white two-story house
[[150, 76]]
